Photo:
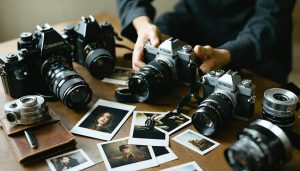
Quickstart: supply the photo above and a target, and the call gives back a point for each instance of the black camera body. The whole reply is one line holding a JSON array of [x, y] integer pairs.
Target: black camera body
[[93, 45], [225, 95], [169, 62], [43, 65], [14, 74]]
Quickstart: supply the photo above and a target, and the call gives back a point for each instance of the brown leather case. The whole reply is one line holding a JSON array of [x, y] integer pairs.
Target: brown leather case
[[51, 136]]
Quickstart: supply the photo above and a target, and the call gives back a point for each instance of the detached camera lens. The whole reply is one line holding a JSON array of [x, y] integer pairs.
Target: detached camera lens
[[279, 106], [261, 147]]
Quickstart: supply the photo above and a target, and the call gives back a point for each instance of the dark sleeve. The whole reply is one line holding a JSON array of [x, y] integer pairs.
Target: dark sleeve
[[129, 10], [261, 32]]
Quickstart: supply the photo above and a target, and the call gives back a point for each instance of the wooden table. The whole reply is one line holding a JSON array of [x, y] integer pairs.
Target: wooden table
[[213, 161]]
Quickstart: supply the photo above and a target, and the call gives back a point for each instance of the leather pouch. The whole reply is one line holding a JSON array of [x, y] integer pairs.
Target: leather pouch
[[51, 136]]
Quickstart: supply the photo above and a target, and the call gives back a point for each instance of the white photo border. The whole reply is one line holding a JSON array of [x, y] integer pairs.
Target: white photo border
[[182, 125], [98, 134], [147, 141], [81, 166], [190, 146], [193, 163], [134, 166], [170, 156]]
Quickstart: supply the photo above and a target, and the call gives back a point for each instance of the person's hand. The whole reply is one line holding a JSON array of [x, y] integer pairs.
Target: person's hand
[[211, 58], [146, 30]]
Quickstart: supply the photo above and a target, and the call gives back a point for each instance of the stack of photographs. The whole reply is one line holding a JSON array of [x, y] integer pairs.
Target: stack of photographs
[[118, 155], [154, 128], [103, 120]]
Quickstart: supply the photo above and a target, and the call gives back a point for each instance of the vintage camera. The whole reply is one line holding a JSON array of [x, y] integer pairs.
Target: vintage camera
[[14, 74], [27, 110], [226, 95], [44, 61], [279, 106], [261, 147], [93, 45], [168, 63]]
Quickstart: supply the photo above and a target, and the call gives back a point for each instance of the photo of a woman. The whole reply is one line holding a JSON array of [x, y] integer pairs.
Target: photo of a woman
[[103, 122]]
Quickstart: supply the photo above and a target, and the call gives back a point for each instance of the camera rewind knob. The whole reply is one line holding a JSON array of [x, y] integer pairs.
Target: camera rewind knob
[[247, 83]]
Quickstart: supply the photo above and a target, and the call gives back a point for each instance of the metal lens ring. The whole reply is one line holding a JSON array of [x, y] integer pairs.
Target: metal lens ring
[[279, 106]]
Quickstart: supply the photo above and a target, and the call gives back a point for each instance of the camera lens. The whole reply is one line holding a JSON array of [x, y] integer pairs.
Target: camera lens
[[152, 78], [67, 85], [100, 62], [262, 146], [279, 106], [11, 117], [214, 112]]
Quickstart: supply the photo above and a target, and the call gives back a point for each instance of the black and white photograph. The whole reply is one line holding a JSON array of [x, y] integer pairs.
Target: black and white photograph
[[71, 161], [144, 132], [171, 122], [191, 166], [119, 76], [196, 141], [164, 154], [118, 155], [103, 120]]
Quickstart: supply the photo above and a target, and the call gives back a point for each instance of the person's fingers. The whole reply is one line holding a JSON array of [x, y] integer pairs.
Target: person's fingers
[[154, 36], [138, 54]]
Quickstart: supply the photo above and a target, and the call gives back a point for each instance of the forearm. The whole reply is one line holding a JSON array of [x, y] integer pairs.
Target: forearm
[[262, 31], [131, 9]]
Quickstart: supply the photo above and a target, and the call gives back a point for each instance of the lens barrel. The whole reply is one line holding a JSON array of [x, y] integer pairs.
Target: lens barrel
[[261, 147], [100, 62], [68, 85], [151, 79], [279, 106], [214, 112]]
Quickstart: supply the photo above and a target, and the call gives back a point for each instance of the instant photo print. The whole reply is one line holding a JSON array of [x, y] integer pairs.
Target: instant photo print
[[164, 154], [196, 141], [118, 155], [191, 166], [71, 161], [103, 120], [144, 132]]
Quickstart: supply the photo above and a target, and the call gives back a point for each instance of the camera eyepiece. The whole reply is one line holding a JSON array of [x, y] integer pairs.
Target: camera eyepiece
[[279, 106], [262, 146]]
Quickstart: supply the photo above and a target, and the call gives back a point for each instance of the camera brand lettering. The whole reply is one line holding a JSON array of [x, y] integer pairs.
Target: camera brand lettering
[[53, 45]]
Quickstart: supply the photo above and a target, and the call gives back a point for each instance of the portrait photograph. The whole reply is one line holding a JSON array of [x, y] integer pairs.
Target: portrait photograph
[[103, 120], [196, 141], [143, 130], [119, 76], [191, 166], [164, 154], [71, 161], [172, 123], [118, 155]]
